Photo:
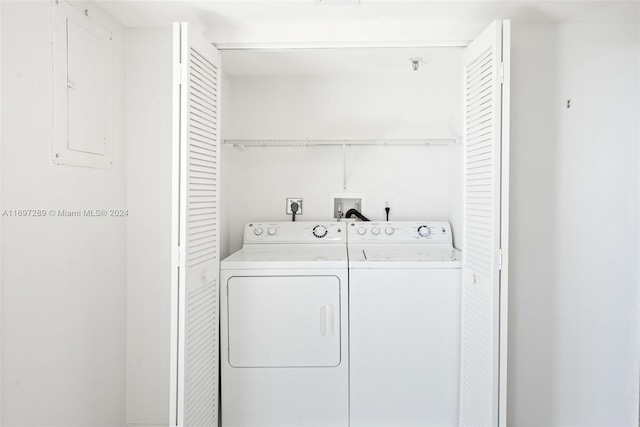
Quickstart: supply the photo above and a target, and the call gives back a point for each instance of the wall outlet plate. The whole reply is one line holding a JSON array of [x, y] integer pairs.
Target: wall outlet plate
[[291, 200]]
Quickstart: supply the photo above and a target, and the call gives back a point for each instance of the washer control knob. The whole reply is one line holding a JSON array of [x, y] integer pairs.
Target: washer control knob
[[320, 231], [271, 231], [258, 231], [362, 231], [424, 231], [375, 231], [389, 231]]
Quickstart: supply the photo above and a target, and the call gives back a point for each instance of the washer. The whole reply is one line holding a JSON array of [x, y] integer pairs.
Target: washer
[[404, 280], [284, 327]]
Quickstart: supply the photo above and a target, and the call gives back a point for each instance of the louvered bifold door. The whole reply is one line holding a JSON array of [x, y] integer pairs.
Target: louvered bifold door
[[196, 260], [481, 274]]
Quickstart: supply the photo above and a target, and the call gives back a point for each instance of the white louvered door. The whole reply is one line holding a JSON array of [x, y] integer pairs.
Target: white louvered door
[[484, 292], [194, 364]]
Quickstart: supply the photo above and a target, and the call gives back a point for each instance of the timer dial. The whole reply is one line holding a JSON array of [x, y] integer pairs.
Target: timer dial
[[375, 231], [272, 231], [320, 231], [362, 231], [258, 231], [389, 231], [424, 231]]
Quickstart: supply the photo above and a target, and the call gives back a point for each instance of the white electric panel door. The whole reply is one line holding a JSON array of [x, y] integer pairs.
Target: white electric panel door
[[195, 290], [485, 208], [82, 89], [283, 321], [88, 94]]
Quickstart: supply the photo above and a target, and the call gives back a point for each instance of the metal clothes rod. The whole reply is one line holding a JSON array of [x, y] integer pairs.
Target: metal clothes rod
[[334, 141], [343, 142]]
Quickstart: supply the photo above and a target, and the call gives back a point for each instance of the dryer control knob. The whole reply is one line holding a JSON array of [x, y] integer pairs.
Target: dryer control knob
[[272, 231], [424, 231], [389, 230], [320, 231], [258, 231], [375, 231], [362, 231]]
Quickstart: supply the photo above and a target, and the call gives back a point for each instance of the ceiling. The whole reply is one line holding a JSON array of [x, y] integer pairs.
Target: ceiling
[[306, 23], [247, 13]]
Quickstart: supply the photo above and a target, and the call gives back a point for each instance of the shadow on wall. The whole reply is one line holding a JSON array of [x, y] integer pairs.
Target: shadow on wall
[[534, 173]]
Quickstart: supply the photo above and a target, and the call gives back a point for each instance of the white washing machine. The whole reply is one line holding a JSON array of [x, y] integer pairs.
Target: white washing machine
[[284, 327], [404, 324]]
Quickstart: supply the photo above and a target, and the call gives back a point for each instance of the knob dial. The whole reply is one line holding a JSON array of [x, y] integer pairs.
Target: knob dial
[[272, 231], [424, 231], [362, 231], [258, 231], [375, 231], [389, 231], [320, 231]]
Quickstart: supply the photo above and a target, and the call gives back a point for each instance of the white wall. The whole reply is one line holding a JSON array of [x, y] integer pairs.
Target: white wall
[[378, 103], [574, 288], [63, 279], [149, 128]]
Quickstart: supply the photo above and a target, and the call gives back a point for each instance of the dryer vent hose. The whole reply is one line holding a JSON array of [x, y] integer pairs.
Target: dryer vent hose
[[355, 212]]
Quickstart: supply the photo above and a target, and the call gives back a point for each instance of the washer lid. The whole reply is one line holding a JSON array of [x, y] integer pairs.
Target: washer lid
[[287, 256], [403, 256]]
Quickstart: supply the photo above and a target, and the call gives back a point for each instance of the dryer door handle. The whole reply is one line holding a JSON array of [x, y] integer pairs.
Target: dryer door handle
[[326, 321]]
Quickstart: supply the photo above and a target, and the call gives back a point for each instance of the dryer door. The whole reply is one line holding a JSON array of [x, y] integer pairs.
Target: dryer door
[[284, 321]]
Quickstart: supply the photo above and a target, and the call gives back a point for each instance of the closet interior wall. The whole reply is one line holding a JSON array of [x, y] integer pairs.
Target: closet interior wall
[[377, 97]]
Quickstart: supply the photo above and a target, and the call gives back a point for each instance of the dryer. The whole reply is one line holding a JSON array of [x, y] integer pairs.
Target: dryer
[[404, 324], [284, 328]]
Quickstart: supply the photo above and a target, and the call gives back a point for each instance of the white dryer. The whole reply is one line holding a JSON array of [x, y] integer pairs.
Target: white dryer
[[284, 327], [404, 317]]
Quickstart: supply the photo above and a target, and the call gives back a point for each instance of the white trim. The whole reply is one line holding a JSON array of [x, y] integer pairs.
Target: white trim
[[218, 242], [174, 387], [504, 223], [183, 147], [1, 208], [637, 350], [340, 45]]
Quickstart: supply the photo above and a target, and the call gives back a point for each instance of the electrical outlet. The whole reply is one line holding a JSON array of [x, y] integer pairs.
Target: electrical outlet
[[291, 200], [387, 203]]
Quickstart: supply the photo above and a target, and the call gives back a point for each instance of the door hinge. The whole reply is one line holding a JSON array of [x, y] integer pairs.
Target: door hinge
[[179, 255], [500, 259], [182, 74], [502, 72]]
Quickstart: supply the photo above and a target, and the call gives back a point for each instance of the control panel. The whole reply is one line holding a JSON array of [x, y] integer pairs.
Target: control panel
[[435, 232], [295, 232]]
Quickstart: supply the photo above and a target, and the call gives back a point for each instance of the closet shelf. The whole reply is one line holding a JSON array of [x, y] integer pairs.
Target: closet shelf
[[334, 141]]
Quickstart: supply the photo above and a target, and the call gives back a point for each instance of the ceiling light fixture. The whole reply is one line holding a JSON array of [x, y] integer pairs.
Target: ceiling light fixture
[[337, 2]]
